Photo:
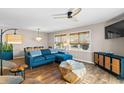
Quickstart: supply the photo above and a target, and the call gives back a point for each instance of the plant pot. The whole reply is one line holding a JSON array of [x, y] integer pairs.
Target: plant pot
[[7, 55]]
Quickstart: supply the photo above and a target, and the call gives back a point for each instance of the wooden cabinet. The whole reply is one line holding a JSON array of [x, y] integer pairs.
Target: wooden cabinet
[[96, 58], [110, 62], [101, 60], [107, 62], [116, 66]]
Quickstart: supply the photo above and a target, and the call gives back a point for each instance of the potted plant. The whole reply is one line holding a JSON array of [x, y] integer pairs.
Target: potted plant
[[7, 51]]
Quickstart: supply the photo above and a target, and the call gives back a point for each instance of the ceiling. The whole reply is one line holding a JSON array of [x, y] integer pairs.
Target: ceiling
[[33, 18]]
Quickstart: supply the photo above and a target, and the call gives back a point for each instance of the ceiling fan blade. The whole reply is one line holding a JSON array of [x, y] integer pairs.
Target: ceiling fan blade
[[76, 11]]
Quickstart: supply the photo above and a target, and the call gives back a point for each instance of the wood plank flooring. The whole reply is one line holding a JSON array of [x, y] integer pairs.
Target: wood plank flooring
[[49, 74]]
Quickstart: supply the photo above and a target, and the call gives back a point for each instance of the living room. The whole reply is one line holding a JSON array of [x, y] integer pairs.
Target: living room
[[72, 39]]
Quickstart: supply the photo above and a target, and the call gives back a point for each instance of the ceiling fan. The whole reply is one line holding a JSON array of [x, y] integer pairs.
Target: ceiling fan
[[69, 14]]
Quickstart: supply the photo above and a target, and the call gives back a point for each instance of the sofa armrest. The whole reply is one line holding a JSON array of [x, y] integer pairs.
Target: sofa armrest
[[29, 60]]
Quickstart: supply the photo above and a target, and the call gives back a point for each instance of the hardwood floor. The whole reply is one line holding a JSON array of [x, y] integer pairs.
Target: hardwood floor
[[49, 74]]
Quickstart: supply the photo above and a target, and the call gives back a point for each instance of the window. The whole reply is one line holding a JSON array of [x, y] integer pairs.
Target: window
[[84, 40], [74, 38], [60, 41], [80, 40], [73, 41]]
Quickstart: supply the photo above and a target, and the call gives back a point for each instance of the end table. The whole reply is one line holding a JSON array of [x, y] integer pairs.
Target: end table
[[19, 69]]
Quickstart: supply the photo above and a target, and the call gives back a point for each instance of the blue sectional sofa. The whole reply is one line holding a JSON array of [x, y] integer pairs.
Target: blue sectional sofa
[[40, 57]]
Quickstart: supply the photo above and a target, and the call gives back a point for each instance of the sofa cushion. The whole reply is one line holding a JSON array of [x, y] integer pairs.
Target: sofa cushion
[[35, 53], [38, 58], [49, 56], [46, 52], [63, 57], [53, 51]]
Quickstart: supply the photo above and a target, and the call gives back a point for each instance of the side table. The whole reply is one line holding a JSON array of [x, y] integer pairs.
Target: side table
[[19, 70]]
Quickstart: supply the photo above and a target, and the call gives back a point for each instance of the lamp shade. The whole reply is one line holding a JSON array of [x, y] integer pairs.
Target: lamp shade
[[13, 39]]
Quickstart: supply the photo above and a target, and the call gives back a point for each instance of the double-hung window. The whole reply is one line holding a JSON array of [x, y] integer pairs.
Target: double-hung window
[[60, 41], [73, 41], [80, 40]]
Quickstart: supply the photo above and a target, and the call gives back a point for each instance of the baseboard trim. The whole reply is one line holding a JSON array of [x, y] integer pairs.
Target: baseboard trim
[[18, 57], [84, 61]]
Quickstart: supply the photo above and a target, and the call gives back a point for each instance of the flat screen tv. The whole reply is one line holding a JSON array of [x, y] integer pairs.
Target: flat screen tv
[[115, 30]]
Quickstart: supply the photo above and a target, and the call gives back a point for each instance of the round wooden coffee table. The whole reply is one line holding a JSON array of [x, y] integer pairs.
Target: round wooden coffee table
[[19, 70]]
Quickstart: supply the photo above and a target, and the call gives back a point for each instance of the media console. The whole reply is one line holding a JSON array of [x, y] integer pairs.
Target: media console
[[111, 63]]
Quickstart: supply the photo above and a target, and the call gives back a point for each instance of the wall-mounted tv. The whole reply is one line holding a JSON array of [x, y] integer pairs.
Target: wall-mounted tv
[[115, 30]]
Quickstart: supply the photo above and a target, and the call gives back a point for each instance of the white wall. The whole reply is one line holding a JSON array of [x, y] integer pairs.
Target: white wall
[[28, 41], [117, 46]]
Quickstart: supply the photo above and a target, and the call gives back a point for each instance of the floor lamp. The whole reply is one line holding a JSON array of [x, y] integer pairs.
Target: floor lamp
[[11, 39]]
